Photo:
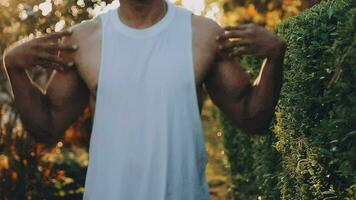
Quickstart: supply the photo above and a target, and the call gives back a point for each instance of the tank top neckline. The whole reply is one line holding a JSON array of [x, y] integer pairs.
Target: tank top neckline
[[145, 32]]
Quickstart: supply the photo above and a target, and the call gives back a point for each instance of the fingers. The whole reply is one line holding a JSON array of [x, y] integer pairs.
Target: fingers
[[57, 35], [60, 47], [232, 44], [234, 47], [48, 48], [240, 27], [55, 60], [51, 65], [233, 32], [248, 39], [239, 51], [232, 35], [236, 40]]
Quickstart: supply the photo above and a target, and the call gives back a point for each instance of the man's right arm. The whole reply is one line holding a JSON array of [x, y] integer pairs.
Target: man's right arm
[[45, 113]]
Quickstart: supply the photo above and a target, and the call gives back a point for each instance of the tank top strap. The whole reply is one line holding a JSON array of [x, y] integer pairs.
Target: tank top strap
[[103, 17]]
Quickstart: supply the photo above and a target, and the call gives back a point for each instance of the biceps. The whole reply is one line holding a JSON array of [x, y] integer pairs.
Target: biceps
[[68, 96], [229, 88], [227, 83]]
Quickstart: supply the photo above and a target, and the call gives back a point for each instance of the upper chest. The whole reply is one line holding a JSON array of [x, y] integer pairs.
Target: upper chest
[[90, 57]]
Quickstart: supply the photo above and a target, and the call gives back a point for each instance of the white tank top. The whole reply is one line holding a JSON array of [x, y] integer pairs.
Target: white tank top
[[147, 141]]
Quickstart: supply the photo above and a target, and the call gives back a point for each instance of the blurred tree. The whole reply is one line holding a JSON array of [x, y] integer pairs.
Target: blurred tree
[[267, 13], [254, 161], [26, 172]]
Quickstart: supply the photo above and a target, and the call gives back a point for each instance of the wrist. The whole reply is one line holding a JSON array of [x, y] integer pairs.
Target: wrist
[[278, 51]]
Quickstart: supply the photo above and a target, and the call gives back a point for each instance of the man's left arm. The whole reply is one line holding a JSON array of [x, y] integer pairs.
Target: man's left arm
[[249, 105]]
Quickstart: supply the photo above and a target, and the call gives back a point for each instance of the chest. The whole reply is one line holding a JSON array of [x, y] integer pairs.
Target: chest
[[89, 60]]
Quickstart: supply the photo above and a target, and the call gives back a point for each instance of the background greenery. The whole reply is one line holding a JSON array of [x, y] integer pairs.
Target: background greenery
[[311, 152], [308, 154]]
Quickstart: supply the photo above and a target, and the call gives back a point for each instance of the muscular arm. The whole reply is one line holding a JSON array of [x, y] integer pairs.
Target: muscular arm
[[249, 105], [67, 96], [46, 113]]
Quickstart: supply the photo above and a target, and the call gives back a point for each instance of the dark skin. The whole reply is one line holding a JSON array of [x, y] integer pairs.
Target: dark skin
[[250, 106], [47, 114], [55, 108]]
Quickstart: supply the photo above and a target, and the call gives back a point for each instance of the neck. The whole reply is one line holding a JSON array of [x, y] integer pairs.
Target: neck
[[141, 13]]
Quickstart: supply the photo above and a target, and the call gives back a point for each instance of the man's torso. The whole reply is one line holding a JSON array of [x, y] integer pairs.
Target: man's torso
[[88, 57]]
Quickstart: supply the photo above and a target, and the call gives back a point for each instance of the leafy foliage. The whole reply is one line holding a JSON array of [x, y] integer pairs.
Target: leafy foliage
[[314, 129], [267, 13], [310, 155], [29, 170]]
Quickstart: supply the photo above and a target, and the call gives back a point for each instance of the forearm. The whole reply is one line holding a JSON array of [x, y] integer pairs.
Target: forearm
[[250, 106], [265, 91], [29, 100]]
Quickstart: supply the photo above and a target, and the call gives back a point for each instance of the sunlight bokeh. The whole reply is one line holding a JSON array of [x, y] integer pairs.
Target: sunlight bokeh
[[45, 7], [59, 172], [196, 6]]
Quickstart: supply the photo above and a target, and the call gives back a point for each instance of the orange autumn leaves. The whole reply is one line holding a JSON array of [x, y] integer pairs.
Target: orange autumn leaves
[[269, 18]]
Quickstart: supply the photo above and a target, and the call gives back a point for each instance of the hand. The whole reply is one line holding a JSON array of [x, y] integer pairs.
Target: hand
[[42, 51], [250, 39]]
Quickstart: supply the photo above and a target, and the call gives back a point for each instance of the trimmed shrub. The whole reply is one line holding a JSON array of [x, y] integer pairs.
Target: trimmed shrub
[[315, 123]]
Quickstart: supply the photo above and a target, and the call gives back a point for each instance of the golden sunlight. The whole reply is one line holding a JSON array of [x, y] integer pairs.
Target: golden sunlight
[[196, 6], [45, 7]]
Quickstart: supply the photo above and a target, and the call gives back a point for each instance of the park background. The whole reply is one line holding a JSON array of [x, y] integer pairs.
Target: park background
[[309, 152]]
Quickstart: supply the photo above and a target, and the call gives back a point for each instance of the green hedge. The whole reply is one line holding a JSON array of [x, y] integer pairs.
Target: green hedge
[[311, 153]]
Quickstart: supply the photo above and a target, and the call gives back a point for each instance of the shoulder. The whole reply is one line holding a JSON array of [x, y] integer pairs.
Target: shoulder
[[205, 32], [208, 27], [84, 34], [81, 31]]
